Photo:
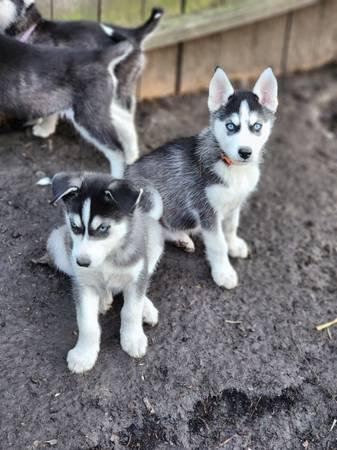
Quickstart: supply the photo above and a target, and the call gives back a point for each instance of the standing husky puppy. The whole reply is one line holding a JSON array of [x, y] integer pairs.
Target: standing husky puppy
[[111, 243], [40, 81], [22, 20], [204, 180]]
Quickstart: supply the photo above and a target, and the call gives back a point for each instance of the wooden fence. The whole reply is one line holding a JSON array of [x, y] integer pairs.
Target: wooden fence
[[243, 36]]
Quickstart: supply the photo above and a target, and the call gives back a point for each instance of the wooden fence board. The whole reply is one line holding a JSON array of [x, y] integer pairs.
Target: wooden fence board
[[75, 9], [243, 53], [304, 37], [122, 12], [327, 43], [44, 7], [159, 78], [171, 7]]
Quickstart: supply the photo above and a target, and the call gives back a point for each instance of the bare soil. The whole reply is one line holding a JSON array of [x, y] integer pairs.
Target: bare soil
[[234, 370]]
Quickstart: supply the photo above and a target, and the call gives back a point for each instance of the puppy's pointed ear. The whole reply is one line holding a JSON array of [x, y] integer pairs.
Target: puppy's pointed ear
[[65, 184], [266, 89], [124, 195], [220, 89]]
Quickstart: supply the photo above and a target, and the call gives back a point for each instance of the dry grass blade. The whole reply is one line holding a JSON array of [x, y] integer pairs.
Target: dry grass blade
[[323, 326]]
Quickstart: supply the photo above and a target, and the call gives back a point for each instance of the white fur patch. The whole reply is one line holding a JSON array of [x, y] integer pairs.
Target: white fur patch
[[8, 14], [239, 182], [107, 30]]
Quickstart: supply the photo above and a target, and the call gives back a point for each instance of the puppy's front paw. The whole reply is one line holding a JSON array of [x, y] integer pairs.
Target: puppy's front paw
[[150, 313], [80, 361], [42, 130], [227, 278], [134, 343], [238, 248]]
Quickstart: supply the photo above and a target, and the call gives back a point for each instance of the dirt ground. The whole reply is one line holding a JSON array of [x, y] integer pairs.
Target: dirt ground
[[244, 369]]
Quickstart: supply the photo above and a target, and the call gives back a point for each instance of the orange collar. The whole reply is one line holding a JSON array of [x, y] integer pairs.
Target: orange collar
[[226, 159]]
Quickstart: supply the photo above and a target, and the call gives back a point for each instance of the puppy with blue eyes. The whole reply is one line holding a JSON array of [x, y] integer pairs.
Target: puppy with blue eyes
[[111, 242], [204, 180]]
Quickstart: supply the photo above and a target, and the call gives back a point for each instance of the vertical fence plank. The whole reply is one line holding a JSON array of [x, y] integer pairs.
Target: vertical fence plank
[[159, 78], [122, 12], [75, 10], [44, 6], [327, 45], [303, 48]]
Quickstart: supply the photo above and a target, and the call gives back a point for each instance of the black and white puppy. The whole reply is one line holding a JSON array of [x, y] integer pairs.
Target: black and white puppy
[[38, 82], [22, 20], [111, 243], [205, 179]]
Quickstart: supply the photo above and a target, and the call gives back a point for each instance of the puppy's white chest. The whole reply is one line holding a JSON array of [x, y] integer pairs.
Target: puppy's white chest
[[116, 277], [239, 182]]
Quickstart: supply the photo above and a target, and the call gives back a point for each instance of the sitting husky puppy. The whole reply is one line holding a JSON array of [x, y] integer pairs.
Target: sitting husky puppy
[[111, 243], [38, 81], [204, 180], [22, 20]]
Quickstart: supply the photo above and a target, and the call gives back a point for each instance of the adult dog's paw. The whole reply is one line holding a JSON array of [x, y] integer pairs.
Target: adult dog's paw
[[238, 248], [227, 278], [134, 343], [80, 361]]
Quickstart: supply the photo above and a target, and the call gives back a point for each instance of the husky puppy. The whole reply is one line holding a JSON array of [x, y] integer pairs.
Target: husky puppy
[[111, 243], [38, 82], [204, 180], [22, 20]]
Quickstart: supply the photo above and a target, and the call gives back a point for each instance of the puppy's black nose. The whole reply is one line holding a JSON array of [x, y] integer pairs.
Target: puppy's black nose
[[245, 152], [83, 261]]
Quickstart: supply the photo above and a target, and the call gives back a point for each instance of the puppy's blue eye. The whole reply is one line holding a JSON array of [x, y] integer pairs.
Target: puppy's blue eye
[[75, 228], [257, 126], [103, 228], [230, 126]]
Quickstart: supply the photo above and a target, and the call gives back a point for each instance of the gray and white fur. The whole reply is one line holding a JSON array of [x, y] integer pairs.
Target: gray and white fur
[[204, 180], [106, 119], [111, 242]]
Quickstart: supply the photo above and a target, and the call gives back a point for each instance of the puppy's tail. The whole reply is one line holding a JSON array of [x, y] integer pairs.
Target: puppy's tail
[[137, 35], [140, 33]]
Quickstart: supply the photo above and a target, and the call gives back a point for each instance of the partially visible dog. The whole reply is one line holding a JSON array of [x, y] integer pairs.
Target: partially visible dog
[[204, 180], [82, 84], [22, 20], [111, 243]]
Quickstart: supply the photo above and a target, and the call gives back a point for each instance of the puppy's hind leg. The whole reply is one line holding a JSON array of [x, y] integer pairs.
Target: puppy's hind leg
[[46, 126], [180, 239], [98, 131], [57, 249]]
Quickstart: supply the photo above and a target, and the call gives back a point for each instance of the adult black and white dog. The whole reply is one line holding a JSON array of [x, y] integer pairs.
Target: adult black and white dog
[[39, 81], [205, 179], [111, 243], [22, 20]]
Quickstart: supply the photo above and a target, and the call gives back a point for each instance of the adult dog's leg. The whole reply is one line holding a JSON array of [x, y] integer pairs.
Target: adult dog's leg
[[46, 126], [237, 247], [223, 273], [83, 356]]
